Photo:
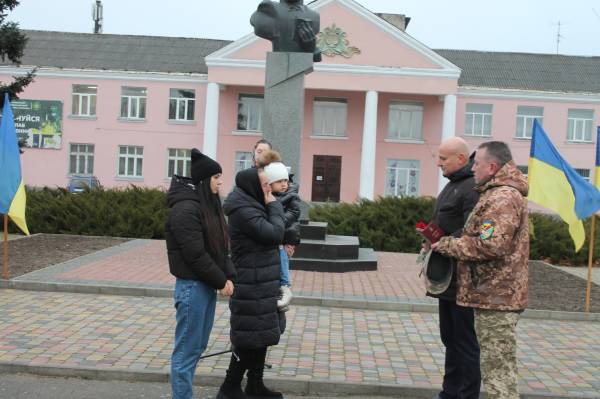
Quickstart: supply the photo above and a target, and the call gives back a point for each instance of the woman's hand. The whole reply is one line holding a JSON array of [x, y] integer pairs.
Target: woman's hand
[[269, 197], [289, 249], [228, 289]]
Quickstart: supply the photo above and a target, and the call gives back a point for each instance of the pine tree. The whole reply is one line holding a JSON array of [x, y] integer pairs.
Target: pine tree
[[12, 46]]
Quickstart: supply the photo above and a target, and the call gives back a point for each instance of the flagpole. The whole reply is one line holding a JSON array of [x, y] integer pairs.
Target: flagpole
[[5, 272], [588, 290]]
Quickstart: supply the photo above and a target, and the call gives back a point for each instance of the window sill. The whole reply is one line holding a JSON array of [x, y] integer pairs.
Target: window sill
[[129, 178], [176, 122], [131, 120], [316, 137], [522, 138], [470, 136], [246, 133], [83, 117], [404, 141], [579, 142]]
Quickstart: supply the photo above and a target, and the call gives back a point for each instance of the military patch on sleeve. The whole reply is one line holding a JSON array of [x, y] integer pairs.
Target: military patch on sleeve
[[487, 230]]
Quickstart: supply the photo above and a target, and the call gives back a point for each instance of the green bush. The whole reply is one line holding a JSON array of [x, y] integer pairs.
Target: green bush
[[131, 212], [387, 224]]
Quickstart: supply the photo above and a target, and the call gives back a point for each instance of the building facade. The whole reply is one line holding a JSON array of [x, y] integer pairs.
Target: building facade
[[128, 109]]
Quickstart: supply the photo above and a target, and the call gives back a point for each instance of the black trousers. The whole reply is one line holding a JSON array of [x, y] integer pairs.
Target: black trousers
[[462, 376]]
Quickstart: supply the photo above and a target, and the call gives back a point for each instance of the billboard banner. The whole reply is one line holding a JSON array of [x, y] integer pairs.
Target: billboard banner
[[39, 123]]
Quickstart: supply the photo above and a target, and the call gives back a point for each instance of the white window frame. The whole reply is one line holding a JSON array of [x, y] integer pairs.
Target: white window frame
[[579, 130], [134, 153], [243, 160], [585, 173], [134, 102], [396, 171], [483, 116], [336, 106], [83, 156], [254, 107], [525, 120], [83, 100], [177, 101], [412, 110], [179, 161]]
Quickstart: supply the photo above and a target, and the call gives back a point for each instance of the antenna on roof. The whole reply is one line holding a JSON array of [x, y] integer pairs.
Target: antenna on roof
[[97, 16], [558, 37]]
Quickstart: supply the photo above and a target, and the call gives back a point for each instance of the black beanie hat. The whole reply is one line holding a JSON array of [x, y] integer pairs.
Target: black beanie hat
[[203, 167]]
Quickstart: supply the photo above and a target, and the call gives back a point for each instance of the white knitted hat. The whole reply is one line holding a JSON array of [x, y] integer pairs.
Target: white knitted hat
[[276, 171]]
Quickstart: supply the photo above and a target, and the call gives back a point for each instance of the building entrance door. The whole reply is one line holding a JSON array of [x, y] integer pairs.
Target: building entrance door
[[327, 173]]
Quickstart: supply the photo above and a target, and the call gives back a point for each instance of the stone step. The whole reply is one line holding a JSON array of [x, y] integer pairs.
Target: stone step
[[366, 260], [313, 231], [333, 247]]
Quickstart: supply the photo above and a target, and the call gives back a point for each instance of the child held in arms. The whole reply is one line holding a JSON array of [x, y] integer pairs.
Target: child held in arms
[[287, 193]]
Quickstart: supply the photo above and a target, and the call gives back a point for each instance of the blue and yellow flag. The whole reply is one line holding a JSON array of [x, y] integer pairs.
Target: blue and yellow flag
[[597, 179], [553, 184], [12, 190]]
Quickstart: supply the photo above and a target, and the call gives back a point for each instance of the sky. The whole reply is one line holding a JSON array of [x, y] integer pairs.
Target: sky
[[501, 25]]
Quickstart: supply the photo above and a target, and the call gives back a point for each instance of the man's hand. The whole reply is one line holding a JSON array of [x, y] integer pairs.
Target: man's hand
[[289, 249], [426, 246], [228, 289], [305, 32], [435, 245]]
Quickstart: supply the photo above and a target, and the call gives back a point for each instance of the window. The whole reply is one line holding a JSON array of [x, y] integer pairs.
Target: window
[[250, 112], [405, 121], [402, 178], [243, 160], [84, 100], [133, 102], [478, 120], [585, 173], [181, 104], [524, 169], [81, 159], [525, 118], [580, 125], [329, 117], [130, 161], [180, 162]]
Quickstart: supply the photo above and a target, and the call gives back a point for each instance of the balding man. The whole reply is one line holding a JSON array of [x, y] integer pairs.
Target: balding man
[[462, 377]]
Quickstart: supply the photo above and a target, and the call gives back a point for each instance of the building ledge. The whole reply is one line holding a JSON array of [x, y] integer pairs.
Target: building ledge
[[329, 137], [252, 133], [404, 141]]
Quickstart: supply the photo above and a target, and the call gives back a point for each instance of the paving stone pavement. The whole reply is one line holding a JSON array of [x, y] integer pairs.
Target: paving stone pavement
[[125, 333]]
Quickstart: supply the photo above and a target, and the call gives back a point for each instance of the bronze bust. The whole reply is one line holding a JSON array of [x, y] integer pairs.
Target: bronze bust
[[289, 25]]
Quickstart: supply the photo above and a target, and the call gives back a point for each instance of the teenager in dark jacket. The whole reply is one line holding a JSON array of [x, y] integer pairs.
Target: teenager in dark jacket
[[197, 246], [256, 228], [462, 376]]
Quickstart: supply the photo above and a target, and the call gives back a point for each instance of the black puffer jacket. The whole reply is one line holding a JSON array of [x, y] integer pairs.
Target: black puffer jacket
[[187, 245], [255, 231], [291, 207], [453, 206]]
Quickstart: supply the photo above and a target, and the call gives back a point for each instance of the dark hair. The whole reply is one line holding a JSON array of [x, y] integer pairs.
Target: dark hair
[[214, 220], [263, 141], [498, 151]]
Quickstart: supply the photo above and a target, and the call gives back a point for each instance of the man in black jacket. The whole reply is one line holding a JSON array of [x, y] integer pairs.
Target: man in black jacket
[[462, 377]]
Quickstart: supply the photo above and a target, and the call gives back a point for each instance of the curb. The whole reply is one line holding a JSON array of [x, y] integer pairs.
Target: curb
[[406, 306], [288, 385]]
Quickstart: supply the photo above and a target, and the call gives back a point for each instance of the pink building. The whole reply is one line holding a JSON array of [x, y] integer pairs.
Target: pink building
[[127, 109]]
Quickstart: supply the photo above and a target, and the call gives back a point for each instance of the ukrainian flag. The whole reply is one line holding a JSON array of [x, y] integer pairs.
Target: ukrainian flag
[[597, 179], [553, 184], [12, 191]]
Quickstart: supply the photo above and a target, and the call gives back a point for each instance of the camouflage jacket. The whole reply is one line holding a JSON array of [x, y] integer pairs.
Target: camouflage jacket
[[493, 251]]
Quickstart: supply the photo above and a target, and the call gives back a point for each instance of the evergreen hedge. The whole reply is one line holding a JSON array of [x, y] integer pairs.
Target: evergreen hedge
[[386, 224]]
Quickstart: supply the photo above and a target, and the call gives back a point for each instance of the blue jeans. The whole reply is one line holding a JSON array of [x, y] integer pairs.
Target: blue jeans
[[284, 277], [195, 303]]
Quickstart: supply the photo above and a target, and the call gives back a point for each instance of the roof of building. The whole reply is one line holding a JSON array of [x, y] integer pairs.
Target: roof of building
[[118, 52], [521, 71], [526, 71]]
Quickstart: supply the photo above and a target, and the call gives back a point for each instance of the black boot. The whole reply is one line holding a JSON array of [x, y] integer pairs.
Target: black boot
[[256, 389], [232, 386]]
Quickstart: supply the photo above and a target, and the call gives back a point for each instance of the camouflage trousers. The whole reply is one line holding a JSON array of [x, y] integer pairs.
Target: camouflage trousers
[[496, 333]]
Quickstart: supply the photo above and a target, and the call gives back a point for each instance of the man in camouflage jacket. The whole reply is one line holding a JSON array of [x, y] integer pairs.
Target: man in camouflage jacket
[[493, 255]]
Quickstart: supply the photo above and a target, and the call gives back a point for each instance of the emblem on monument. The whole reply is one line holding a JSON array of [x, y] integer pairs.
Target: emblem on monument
[[332, 41]]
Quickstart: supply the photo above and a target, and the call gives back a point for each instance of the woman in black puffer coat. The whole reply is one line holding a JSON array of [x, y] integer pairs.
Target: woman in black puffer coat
[[256, 228]]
